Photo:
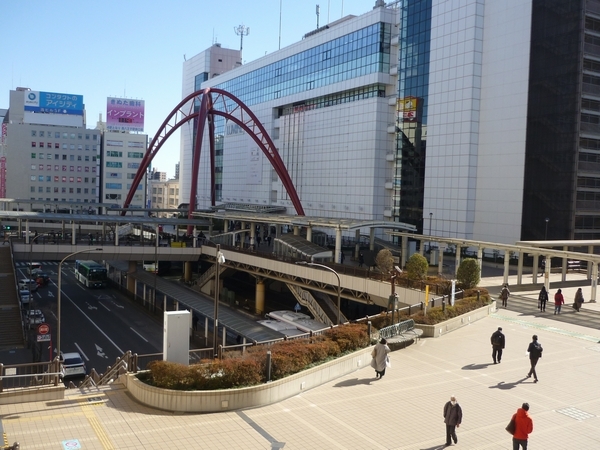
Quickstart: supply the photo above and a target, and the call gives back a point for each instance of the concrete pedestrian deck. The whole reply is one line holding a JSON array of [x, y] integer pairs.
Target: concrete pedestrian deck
[[401, 411]]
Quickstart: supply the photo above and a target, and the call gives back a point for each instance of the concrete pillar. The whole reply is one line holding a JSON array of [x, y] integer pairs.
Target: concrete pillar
[[536, 262], [441, 248], [116, 234], [309, 233], [296, 230], [73, 237], [594, 269], [260, 296], [547, 270], [480, 259], [226, 225], [210, 227], [26, 232], [157, 237], [187, 271], [506, 266], [338, 246], [422, 247], [371, 238], [253, 235], [357, 245], [404, 251], [589, 266], [131, 269], [520, 270], [278, 229], [457, 259], [564, 265]]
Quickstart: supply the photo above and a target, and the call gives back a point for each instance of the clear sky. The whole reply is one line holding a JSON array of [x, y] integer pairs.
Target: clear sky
[[135, 48]]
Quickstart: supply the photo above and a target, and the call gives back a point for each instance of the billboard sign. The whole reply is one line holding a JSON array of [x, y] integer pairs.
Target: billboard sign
[[53, 103], [124, 114], [408, 108]]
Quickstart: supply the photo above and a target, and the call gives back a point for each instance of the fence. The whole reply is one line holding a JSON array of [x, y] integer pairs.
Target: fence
[[22, 376]]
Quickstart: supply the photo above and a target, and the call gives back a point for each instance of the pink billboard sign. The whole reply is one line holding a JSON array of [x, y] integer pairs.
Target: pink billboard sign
[[124, 114]]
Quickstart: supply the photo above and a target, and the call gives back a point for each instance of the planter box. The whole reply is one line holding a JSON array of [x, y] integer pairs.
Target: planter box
[[234, 399], [456, 322]]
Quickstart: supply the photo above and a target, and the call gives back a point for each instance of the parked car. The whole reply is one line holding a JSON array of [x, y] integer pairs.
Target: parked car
[[25, 297], [34, 318], [27, 284], [42, 278], [72, 365]]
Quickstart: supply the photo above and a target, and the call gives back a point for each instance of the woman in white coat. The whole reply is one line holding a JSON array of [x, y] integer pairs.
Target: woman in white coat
[[380, 358]]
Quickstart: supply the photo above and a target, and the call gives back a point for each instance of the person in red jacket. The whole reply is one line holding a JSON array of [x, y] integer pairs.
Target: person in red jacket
[[523, 426], [558, 301]]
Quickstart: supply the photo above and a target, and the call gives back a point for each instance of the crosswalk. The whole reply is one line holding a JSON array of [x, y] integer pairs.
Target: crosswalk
[[23, 264]]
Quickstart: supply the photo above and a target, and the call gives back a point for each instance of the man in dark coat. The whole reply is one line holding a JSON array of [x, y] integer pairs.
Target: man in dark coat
[[452, 419], [535, 353], [498, 342]]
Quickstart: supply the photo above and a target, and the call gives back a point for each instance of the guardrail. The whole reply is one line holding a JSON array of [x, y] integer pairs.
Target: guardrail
[[23, 376]]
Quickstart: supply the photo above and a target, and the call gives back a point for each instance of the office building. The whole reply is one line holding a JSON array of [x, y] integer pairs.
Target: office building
[[164, 195], [48, 153], [474, 119]]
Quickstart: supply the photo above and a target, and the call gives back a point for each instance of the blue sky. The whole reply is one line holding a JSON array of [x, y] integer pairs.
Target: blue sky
[[135, 48]]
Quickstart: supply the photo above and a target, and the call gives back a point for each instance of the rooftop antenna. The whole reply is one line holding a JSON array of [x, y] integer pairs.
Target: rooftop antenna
[[241, 31], [317, 11], [280, 24]]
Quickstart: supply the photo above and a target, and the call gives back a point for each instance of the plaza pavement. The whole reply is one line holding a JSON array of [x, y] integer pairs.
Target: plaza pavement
[[401, 411]]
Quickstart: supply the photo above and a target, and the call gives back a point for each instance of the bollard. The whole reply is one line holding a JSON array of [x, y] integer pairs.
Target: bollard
[[268, 366], [369, 329], [478, 294], [444, 303]]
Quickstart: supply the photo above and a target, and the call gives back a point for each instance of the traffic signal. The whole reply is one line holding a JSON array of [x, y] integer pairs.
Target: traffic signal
[[6, 227]]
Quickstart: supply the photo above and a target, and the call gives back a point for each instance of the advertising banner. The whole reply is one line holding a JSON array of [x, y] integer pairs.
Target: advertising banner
[[124, 114], [53, 103], [3, 177]]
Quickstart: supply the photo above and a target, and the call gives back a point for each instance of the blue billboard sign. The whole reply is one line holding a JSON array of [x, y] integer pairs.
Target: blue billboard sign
[[53, 103]]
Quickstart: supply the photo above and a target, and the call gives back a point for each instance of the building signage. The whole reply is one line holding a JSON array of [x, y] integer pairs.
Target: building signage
[[3, 177], [124, 114], [53, 103], [407, 109]]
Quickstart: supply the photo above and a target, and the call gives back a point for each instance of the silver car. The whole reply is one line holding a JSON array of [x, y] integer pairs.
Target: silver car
[[72, 365]]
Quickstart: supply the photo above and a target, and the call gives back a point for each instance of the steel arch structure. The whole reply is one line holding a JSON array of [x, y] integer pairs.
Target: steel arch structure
[[213, 102]]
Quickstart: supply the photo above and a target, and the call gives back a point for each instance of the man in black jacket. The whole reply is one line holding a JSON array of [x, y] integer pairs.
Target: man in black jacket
[[498, 342], [452, 419], [535, 352]]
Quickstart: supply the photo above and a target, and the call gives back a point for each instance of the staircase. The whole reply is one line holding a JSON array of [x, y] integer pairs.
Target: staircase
[[11, 325], [321, 306]]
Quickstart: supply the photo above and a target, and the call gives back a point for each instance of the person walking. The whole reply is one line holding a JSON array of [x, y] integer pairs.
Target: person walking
[[504, 294], [523, 427], [535, 353], [558, 301], [542, 299], [380, 359], [498, 341], [578, 300], [452, 419], [361, 259]]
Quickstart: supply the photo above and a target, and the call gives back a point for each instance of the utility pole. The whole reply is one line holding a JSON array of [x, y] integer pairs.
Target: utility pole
[[317, 11], [241, 31]]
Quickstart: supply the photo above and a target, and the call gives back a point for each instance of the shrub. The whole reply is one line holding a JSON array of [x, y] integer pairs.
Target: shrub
[[467, 275], [417, 267]]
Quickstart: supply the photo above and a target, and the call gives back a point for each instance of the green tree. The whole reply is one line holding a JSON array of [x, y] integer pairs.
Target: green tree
[[416, 267], [467, 276], [385, 261]]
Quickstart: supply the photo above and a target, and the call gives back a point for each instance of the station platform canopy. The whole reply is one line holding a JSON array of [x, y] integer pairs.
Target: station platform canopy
[[299, 247]]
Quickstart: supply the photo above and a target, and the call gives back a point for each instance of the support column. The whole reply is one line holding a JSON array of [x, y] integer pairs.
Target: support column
[[441, 248], [520, 270], [296, 230], [564, 265], [480, 259], [422, 247], [338, 246], [73, 236], [253, 235], [371, 238], [506, 266], [457, 259], [116, 234], [226, 225], [187, 271], [260, 296], [536, 263], [131, 269], [309, 233], [357, 244], [594, 269], [26, 231], [547, 271], [404, 251], [589, 266], [210, 227]]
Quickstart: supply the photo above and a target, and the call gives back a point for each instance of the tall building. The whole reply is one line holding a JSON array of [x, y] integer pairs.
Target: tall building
[[474, 119], [48, 154], [164, 194]]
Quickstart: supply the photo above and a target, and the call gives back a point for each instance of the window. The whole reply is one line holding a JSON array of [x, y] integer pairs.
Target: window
[[41, 134], [113, 164], [94, 137], [48, 178], [64, 157], [48, 189], [80, 136], [94, 169], [64, 179], [41, 167], [57, 134], [86, 169], [65, 146], [33, 144], [56, 178], [72, 135], [87, 137], [56, 156], [49, 145], [114, 186], [64, 168], [79, 190], [63, 190], [87, 158], [32, 189], [78, 168], [71, 179], [56, 168], [114, 153], [56, 190], [78, 157], [80, 147], [33, 133], [32, 178], [71, 168], [72, 146], [49, 167], [33, 167], [41, 178], [138, 155], [33, 155], [41, 145], [85, 190], [65, 135], [133, 165], [70, 190], [48, 155], [41, 156], [79, 179]]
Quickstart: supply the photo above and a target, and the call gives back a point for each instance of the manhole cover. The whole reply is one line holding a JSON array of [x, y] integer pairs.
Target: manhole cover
[[575, 413]]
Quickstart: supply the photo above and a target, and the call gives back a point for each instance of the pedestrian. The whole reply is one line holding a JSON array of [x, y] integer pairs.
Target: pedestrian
[[498, 341], [452, 419], [558, 301], [195, 322], [535, 353], [342, 257], [269, 240], [258, 241], [578, 300], [361, 259], [380, 360], [523, 426], [504, 294], [542, 299]]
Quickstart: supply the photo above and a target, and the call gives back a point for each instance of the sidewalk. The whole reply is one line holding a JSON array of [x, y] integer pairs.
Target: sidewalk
[[401, 411]]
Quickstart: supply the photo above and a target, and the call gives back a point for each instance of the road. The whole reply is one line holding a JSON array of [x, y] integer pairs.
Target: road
[[100, 324]]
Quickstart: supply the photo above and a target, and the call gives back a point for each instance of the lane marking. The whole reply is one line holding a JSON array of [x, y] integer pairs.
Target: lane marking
[[81, 352], [138, 334]]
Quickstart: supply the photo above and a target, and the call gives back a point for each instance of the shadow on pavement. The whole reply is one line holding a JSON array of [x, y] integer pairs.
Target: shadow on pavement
[[476, 366], [353, 382], [505, 386]]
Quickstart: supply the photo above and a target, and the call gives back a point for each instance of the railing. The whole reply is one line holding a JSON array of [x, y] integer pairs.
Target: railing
[[22, 376], [306, 299]]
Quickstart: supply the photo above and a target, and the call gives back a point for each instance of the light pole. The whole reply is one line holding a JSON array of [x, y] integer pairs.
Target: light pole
[[546, 232], [59, 291], [339, 289], [29, 274], [220, 260]]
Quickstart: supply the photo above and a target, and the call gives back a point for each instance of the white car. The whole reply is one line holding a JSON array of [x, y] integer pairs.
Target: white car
[[26, 284], [72, 365], [25, 297], [34, 318]]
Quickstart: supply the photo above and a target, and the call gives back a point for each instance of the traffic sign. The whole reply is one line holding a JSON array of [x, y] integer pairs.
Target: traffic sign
[[44, 338], [43, 328]]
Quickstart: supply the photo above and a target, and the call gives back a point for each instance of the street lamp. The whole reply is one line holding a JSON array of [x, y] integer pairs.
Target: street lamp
[[339, 289], [546, 233], [220, 260], [60, 288]]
